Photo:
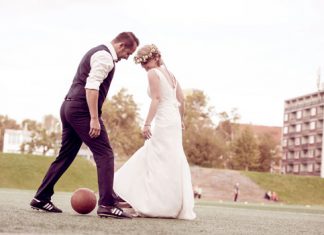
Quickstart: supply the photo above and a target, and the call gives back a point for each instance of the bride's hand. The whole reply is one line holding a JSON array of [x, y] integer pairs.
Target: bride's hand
[[147, 132]]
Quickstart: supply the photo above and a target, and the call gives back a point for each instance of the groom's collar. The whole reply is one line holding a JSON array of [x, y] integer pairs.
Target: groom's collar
[[112, 51]]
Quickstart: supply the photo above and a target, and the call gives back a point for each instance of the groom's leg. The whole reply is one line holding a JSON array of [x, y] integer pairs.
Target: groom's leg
[[71, 144], [104, 158]]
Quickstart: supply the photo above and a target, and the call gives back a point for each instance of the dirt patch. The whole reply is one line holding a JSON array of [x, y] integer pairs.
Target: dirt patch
[[219, 184]]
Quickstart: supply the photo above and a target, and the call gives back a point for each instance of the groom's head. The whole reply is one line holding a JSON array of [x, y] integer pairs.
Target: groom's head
[[125, 44]]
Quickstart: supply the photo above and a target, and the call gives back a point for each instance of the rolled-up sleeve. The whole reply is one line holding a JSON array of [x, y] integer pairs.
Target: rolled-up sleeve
[[101, 64]]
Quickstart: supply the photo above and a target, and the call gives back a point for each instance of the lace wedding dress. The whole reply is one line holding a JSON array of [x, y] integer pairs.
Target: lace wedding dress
[[156, 180]]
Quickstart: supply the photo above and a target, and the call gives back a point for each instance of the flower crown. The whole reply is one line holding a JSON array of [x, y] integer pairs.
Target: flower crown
[[144, 58]]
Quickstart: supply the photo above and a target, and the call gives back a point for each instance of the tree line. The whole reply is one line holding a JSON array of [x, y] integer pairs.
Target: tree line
[[225, 145]]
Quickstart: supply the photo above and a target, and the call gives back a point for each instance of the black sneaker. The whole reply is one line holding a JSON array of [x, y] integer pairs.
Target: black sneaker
[[47, 206], [113, 212]]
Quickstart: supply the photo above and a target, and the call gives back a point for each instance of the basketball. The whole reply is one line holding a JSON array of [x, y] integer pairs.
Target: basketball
[[83, 200]]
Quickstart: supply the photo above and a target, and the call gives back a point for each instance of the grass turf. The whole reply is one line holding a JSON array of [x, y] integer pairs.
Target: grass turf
[[212, 218]]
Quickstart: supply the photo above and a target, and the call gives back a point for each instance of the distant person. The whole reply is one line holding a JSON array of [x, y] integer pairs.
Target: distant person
[[274, 196], [267, 195], [156, 180], [236, 191], [197, 192], [81, 120]]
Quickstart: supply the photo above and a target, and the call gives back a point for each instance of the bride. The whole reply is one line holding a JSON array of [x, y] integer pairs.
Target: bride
[[156, 180]]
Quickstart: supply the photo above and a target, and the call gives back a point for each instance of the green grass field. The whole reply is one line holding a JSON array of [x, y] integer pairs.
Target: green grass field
[[20, 175], [27, 171], [212, 218], [305, 190]]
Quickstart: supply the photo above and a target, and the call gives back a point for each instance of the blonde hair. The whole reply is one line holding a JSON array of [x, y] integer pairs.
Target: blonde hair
[[146, 53]]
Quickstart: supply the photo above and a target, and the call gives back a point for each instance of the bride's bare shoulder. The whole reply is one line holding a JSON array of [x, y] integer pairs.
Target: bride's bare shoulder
[[152, 73]]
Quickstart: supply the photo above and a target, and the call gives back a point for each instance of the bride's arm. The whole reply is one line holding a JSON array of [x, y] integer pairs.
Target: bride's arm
[[154, 83]]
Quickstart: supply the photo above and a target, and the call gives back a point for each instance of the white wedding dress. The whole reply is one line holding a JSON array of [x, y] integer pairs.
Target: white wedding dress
[[156, 180]]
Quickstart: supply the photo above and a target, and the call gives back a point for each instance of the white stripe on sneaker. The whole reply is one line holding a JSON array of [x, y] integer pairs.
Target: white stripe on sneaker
[[47, 205], [36, 200]]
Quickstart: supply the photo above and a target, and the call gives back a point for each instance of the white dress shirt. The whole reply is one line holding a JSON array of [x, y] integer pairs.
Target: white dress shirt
[[101, 64]]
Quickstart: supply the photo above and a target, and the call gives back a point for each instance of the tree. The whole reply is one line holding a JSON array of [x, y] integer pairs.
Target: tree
[[44, 137], [31, 125], [204, 148], [227, 125], [268, 151], [245, 151], [6, 123], [226, 130], [51, 123], [121, 117], [201, 144]]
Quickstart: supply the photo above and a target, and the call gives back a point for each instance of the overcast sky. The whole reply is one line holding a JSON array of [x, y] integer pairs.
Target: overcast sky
[[250, 55]]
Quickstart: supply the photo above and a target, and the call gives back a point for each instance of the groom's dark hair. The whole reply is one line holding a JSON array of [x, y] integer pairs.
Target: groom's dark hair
[[128, 38]]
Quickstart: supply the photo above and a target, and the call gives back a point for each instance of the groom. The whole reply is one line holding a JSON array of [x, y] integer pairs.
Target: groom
[[80, 116]]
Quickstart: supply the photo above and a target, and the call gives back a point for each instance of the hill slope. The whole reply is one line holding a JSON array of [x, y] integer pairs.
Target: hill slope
[[219, 185], [26, 172]]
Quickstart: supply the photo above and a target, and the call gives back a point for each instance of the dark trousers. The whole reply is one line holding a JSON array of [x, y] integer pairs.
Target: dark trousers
[[75, 119]]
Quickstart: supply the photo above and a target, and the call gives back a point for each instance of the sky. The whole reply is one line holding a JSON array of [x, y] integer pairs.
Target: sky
[[246, 54]]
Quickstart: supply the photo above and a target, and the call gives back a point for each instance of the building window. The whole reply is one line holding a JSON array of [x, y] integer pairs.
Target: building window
[[286, 117], [310, 167], [305, 140], [299, 114], [290, 168], [298, 127], [296, 154], [313, 111], [285, 155], [311, 139], [312, 125], [318, 152], [285, 130], [317, 167], [303, 167], [284, 142], [306, 126], [292, 128], [311, 153], [296, 168], [318, 138], [306, 112], [297, 141]]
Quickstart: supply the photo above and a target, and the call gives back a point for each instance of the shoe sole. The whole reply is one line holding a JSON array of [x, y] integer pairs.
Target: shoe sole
[[112, 216], [41, 209]]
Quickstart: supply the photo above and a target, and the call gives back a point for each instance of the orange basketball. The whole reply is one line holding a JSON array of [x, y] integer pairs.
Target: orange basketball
[[83, 200]]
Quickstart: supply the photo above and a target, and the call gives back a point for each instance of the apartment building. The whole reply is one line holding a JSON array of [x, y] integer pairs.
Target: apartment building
[[302, 135]]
